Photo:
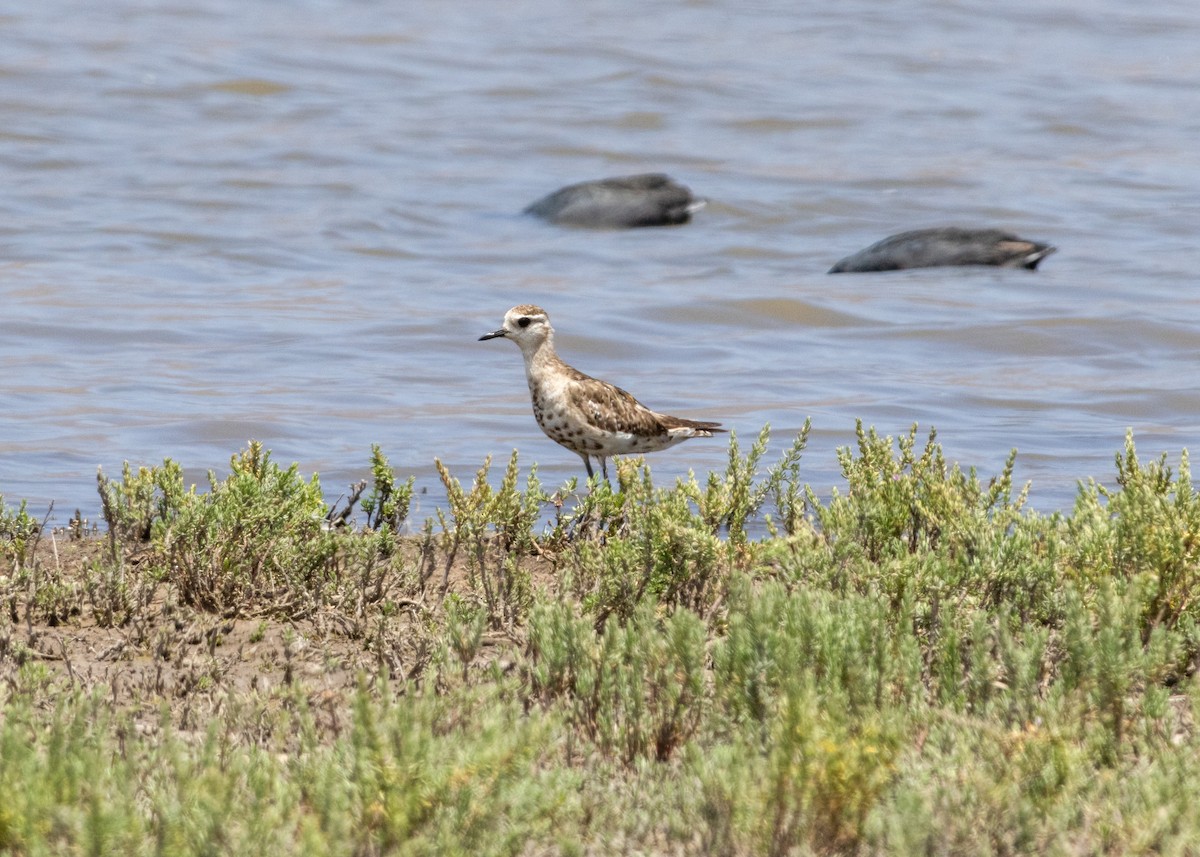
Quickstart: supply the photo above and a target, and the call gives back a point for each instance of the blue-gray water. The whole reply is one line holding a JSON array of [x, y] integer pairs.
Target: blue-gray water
[[290, 222]]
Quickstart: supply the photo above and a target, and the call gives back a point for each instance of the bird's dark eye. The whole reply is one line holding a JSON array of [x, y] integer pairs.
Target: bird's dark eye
[[523, 321]]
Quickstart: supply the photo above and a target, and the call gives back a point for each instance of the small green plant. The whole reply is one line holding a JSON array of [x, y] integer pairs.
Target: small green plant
[[114, 598], [732, 500], [591, 516], [140, 501], [465, 624], [495, 528], [19, 533], [787, 491], [388, 503]]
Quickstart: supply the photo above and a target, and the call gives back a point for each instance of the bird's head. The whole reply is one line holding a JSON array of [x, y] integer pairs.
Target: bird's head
[[527, 325]]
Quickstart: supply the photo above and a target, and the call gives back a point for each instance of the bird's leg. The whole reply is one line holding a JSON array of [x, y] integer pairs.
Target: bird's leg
[[604, 467], [587, 462]]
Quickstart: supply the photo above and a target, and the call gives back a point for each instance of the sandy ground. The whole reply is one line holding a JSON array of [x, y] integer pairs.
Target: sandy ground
[[196, 663]]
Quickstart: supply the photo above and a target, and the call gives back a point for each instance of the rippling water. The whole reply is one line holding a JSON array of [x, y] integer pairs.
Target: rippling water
[[224, 221]]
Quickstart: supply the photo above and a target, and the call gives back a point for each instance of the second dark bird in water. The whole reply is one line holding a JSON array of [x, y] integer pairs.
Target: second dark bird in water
[[650, 199], [928, 248]]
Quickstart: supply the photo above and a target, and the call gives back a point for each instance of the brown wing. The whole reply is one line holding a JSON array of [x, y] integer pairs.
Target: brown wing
[[611, 409]]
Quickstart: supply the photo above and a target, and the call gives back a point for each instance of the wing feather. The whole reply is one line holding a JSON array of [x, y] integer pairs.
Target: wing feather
[[610, 409]]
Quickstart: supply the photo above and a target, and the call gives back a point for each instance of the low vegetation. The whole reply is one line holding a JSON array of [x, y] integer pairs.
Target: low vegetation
[[728, 665]]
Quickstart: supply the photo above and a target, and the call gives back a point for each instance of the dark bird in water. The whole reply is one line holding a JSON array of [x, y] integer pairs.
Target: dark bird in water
[[652, 199], [928, 248]]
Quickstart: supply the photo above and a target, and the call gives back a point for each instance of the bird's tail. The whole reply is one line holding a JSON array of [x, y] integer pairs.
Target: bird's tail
[[692, 428]]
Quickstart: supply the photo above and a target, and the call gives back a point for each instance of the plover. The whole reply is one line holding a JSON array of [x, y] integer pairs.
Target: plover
[[652, 199], [588, 416], [928, 248]]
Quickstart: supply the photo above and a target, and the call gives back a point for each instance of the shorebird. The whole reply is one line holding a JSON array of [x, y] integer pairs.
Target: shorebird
[[651, 199], [590, 417], [928, 248]]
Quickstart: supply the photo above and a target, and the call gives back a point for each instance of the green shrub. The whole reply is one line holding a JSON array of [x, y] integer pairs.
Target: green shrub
[[256, 541], [635, 689], [19, 533], [898, 504], [494, 528], [141, 502], [1145, 534], [388, 503]]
